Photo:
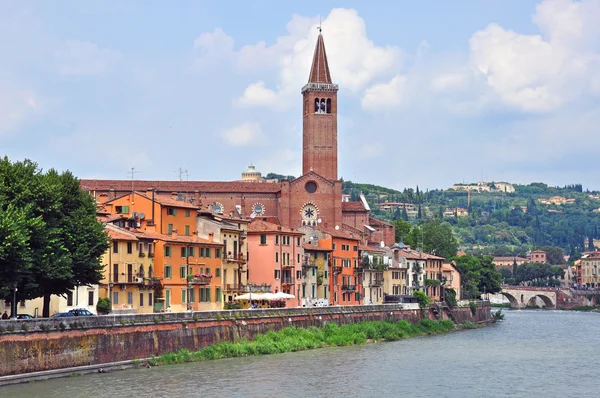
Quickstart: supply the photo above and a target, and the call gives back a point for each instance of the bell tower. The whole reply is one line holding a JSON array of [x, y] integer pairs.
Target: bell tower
[[319, 127]]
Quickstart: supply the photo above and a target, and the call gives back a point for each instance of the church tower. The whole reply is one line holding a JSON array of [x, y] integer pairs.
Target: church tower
[[319, 127]]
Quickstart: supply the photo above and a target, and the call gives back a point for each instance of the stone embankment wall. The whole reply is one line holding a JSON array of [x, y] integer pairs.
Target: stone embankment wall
[[45, 344]]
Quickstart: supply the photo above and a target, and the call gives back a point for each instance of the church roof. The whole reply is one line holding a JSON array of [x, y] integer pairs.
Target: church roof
[[319, 71], [180, 186], [353, 206]]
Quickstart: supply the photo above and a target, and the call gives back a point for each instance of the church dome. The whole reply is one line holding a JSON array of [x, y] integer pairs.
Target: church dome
[[251, 174]]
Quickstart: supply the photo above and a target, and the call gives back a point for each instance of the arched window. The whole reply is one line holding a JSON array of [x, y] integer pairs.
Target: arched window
[[150, 272], [328, 105], [141, 271], [317, 102]]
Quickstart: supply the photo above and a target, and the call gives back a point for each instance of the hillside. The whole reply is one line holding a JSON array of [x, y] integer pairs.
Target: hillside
[[495, 222]]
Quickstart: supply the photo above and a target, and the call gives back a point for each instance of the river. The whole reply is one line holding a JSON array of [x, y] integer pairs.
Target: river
[[529, 354]]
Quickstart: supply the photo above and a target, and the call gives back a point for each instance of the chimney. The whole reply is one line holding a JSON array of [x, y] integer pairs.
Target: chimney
[[211, 237], [174, 233]]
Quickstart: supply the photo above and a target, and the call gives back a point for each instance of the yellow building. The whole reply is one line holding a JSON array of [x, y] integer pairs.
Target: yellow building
[[316, 273], [451, 278], [128, 279], [590, 269]]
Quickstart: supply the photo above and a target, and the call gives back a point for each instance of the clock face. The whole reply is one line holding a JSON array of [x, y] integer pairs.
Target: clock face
[[258, 209], [309, 212], [218, 208]]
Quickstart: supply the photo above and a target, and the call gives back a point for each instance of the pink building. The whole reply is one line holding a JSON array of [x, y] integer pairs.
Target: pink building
[[275, 258]]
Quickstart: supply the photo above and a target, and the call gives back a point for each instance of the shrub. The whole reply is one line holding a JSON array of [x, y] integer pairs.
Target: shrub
[[10, 328], [422, 299], [25, 327], [44, 328], [451, 298], [103, 306], [473, 307]]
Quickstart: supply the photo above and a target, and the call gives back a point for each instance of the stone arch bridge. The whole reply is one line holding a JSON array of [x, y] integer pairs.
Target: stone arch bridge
[[524, 296]]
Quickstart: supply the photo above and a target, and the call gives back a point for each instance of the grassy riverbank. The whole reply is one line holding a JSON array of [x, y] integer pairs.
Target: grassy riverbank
[[586, 308], [297, 339]]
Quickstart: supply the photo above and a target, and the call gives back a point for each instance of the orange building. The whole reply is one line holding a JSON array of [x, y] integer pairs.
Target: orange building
[[345, 279], [275, 259], [433, 275]]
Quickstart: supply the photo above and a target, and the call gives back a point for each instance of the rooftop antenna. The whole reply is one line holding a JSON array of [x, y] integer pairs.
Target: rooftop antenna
[[133, 172]]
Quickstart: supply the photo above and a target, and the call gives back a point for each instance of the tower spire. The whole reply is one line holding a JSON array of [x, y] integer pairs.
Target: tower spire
[[319, 71]]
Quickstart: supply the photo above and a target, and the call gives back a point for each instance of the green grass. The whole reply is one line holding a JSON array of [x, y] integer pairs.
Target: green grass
[[297, 339], [585, 308]]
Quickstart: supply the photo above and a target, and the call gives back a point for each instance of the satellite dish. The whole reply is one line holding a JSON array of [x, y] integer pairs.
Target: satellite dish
[[382, 244], [337, 227], [142, 216], [252, 215], [135, 214], [319, 221]]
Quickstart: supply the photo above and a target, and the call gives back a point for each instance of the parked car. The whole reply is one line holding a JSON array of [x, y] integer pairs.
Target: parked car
[[62, 315], [81, 312], [24, 316]]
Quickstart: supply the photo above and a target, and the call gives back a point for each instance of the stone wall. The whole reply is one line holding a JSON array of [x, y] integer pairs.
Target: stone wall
[[45, 344]]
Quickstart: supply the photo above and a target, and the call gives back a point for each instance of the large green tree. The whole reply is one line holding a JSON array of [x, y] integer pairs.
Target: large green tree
[[478, 275], [438, 238], [62, 240]]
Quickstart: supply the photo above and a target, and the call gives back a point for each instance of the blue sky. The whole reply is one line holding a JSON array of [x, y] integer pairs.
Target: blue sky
[[431, 93]]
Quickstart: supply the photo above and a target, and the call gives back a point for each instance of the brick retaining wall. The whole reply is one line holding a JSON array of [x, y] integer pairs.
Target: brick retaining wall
[[55, 343]]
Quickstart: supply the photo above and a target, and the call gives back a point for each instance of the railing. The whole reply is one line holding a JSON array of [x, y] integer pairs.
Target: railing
[[236, 287], [287, 281], [288, 266], [308, 264], [349, 288], [150, 255], [200, 280], [234, 257], [358, 270]]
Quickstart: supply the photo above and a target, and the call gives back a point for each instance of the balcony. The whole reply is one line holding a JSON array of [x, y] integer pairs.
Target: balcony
[[234, 258], [141, 254], [358, 270], [200, 280], [236, 287], [377, 282], [287, 281], [150, 255], [349, 288], [288, 266]]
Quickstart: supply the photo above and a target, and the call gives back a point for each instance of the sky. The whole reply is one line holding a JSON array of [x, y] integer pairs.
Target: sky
[[432, 93]]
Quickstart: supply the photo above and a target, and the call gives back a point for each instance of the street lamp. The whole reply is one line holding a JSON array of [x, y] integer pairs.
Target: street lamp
[[14, 303]]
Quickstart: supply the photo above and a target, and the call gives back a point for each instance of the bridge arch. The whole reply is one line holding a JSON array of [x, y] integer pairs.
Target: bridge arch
[[514, 303], [548, 303]]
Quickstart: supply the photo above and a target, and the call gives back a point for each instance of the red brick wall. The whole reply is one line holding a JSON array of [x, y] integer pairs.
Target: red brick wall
[[319, 136]]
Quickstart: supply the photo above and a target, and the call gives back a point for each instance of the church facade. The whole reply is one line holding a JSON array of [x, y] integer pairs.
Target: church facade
[[313, 199]]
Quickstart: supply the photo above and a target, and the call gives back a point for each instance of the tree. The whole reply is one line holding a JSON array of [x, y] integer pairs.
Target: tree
[[478, 275], [402, 230], [404, 213], [65, 239], [419, 214], [438, 238], [554, 255]]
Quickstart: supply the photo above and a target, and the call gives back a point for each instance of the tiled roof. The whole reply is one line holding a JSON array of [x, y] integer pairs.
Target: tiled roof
[[338, 233], [167, 200], [257, 226], [353, 206], [374, 221], [311, 247], [116, 233], [371, 248], [181, 186], [509, 259]]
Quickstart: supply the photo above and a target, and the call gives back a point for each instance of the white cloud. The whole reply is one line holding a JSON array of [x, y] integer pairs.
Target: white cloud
[[247, 133], [354, 60], [385, 95], [213, 47], [77, 57]]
